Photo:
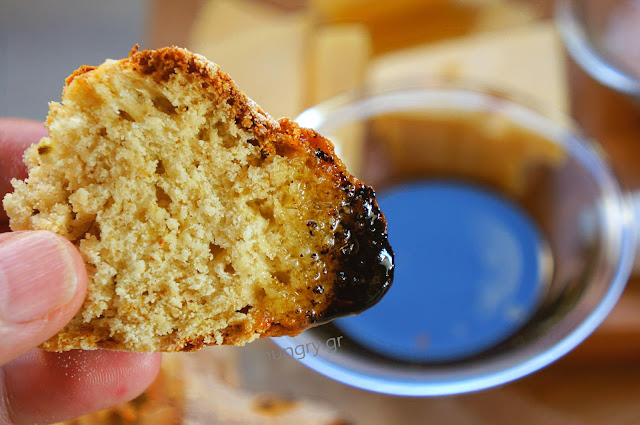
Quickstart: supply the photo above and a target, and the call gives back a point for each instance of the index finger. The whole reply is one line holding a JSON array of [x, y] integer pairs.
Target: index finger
[[44, 387], [16, 135]]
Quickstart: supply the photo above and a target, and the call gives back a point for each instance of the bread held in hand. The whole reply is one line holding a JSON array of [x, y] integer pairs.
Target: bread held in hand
[[201, 219]]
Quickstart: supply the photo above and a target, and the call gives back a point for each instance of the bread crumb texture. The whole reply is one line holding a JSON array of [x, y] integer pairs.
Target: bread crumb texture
[[201, 219]]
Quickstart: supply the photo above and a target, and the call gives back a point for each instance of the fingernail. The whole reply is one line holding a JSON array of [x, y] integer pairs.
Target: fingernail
[[37, 275]]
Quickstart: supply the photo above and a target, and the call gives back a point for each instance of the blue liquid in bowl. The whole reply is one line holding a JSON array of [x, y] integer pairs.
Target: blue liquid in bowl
[[468, 274]]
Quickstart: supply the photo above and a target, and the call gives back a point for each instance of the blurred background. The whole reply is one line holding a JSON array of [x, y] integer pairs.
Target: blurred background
[[291, 54]]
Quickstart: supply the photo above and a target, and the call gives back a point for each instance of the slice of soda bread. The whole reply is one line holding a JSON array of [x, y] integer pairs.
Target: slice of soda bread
[[201, 219]]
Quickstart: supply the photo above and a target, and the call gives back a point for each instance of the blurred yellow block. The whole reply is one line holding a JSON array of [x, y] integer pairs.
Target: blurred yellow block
[[527, 62], [260, 47], [337, 63], [337, 60]]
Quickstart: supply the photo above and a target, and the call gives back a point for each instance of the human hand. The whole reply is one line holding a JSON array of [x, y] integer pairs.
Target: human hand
[[42, 285]]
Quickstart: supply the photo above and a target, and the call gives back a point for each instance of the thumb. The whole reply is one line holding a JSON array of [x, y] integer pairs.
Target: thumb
[[43, 282]]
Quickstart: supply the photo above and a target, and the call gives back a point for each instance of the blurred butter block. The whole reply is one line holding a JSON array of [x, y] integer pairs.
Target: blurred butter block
[[337, 62], [527, 62], [402, 23], [218, 19], [261, 47]]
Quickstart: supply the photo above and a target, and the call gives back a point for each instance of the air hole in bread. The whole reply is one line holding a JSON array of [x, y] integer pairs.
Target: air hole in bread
[[43, 150], [261, 294], [162, 104], [141, 214], [228, 139], [245, 309], [74, 215], [217, 251], [125, 115], [229, 142], [102, 132], [163, 199], [228, 268], [160, 168], [204, 134], [283, 277], [94, 230], [262, 207]]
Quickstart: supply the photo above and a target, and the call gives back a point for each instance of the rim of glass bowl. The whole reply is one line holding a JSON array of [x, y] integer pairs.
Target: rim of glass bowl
[[539, 353], [586, 55]]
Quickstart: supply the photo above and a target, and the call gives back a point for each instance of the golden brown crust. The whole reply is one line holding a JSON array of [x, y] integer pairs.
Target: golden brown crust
[[163, 62], [80, 71], [282, 136]]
